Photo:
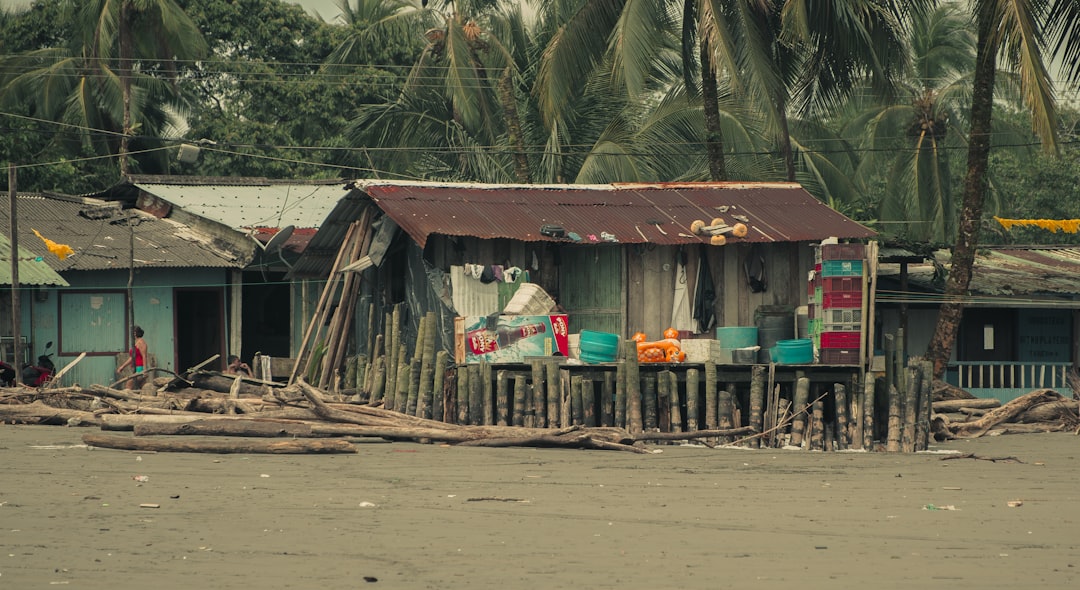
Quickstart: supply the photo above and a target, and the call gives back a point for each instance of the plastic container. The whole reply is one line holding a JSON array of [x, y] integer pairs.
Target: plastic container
[[529, 299], [839, 356], [842, 299], [744, 356], [843, 251], [774, 323], [798, 351], [840, 339], [841, 268], [598, 347], [737, 336]]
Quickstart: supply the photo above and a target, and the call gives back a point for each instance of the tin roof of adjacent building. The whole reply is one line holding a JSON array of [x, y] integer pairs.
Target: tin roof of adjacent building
[[32, 270], [98, 233], [633, 213]]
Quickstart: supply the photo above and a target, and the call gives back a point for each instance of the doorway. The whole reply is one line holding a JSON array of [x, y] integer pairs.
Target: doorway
[[200, 326]]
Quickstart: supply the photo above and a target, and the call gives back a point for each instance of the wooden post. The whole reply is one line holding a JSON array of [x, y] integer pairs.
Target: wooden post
[[518, 417], [663, 402], [401, 396], [855, 416], [378, 383], [576, 409], [566, 394], [539, 395], [553, 395], [607, 400], [414, 386], [922, 427], [488, 400], [868, 412], [427, 368], [650, 418], [724, 409], [692, 400], [502, 402], [890, 358], [676, 405], [476, 395], [893, 443], [817, 432], [799, 410], [620, 394], [462, 415], [712, 410], [840, 395], [757, 397], [588, 402], [911, 408], [528, 403], [634, 419], [438, 387]]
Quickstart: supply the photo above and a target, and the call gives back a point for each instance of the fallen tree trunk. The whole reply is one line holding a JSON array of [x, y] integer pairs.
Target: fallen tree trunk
[[1014, 428], [1005, 413], [941, 391], [224, 384], [40, 413], [956, 405], [285, 447], [695, 434], [253, 428], [1064, 410]]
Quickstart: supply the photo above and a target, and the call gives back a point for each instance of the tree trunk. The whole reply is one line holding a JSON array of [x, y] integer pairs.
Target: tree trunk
[[124, 69], [294, 446], [513, 127], [967, 238], [714, 135]]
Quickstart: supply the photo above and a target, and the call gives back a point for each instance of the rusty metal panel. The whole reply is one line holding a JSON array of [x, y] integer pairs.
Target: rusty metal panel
[[632, 213]]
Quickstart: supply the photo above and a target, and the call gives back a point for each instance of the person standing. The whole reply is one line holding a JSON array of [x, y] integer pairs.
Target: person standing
[[136, 359]]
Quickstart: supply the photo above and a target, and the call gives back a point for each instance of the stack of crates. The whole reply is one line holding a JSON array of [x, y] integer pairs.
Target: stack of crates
[[837, 303]]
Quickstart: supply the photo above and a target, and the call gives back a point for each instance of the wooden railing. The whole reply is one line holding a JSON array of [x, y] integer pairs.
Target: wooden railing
[[1008, 375]]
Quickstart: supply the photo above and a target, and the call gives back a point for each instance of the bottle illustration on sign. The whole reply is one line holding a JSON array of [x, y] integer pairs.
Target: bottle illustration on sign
[[483, 341]]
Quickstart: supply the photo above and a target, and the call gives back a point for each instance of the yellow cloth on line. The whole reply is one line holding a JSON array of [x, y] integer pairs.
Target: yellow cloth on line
[[62, 251], [1070, 226]]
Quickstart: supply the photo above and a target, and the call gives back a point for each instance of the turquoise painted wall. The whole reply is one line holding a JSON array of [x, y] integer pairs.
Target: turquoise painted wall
[[100, 326]]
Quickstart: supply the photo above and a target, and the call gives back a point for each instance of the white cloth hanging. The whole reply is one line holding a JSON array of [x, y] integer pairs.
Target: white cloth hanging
[[682, 316]]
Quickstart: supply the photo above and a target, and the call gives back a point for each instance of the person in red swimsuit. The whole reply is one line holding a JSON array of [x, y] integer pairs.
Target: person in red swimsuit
[[136, 359]]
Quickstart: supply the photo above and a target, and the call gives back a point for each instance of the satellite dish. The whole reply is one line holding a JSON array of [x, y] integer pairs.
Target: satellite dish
[[279, 239]]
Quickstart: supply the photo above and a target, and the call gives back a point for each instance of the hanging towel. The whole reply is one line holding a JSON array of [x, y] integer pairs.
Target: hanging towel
[[680, 309]]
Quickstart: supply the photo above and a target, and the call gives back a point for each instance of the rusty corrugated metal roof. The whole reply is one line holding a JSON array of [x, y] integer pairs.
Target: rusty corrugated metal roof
[[633, 213], [1010, 271], [101, 244]]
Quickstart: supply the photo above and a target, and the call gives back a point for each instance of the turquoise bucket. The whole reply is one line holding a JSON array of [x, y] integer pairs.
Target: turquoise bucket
[[737, 336], [793, 352], [598, 347]]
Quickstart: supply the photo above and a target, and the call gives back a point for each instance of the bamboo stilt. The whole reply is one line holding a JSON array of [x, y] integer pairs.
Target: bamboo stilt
[[663, 402], [868, 413], [476, 395], [893, 442], [438, 387], [427, 368], [378, 381], [922, 427], [518, 416], [462, 416], [539, 395], [817, 432], [725, 409], [487, 383], [840, 395], [502, 398], [607, 400], [712, 421], [692, 397], [588, 403], [650, 417], [757, 398], [553, 396], [634, 421], [566, 401], [620, 394], [799, 410], [911, 408]]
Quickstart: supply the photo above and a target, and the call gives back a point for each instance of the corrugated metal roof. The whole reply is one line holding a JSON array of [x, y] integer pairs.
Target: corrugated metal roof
[[259, 204], [633, 213], [31, 270], [1026, 271], [100, 244]]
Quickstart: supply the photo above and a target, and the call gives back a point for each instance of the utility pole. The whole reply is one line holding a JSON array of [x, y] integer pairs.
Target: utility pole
[[16, 307]]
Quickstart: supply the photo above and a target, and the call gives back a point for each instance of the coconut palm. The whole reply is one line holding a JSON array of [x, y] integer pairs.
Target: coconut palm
[[1012, 33], [111, 80]]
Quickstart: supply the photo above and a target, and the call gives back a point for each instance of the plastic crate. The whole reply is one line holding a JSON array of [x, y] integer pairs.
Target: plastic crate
[[838, 356], [842, 284], [813, 312], [818, 296], [841, 268], [841, 316], [842, 327], [840, 340], [813, 326], [841, 299], [843, 251]]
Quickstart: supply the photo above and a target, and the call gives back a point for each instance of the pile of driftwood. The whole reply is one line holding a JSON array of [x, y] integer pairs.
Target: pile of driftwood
[[238, 415], [965, 416]]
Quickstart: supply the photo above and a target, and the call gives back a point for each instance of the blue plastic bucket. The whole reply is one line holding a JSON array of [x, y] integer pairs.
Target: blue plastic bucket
[[737, 336], [598, 347], [799, 351]]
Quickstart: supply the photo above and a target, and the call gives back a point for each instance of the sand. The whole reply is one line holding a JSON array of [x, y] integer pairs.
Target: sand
[[399, 515]]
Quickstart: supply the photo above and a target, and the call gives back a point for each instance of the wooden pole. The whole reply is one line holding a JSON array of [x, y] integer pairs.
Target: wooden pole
[[588, 402], [476, 395], [663, 402], [413, 394], [487, 383], [607, 400], [725, 408], [911, 408], [634, 421], [16, 305], [650, 418], [427, 368], [676, 405], [757, 398], [539, 395], [922, 427], [711, 408], [566, 399], [893, 442], [462, 416], [438, 387], [292, 446], [692, 397], [799, 410], [518, 417], [840, 395], [502, 401], [390, 332], [401, 385], [855, 416], [868, 412], [620, 393], [553, 395], [817, 432]]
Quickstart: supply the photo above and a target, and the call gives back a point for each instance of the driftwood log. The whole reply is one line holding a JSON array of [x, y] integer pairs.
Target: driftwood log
[[956, 405], [284, 447], [1005, 413]]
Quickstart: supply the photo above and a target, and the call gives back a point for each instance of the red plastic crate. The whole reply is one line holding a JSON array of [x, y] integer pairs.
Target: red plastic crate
[[840, 339], [843, 251], [838, 356], [842, 284], [841, 299]]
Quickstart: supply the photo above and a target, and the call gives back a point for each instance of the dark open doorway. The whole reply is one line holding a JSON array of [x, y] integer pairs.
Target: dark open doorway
[[200, 326], [266, 326]]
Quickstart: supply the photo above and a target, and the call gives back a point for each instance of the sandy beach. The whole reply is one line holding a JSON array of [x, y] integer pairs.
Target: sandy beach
[[400, 515]]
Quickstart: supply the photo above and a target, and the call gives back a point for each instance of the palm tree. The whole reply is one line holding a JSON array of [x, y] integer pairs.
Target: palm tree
[[1012, 31], [112, 79]]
